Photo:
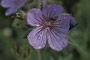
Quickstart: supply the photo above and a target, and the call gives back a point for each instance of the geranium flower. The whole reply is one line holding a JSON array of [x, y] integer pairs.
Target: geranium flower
[[12, 5], [50, 25]]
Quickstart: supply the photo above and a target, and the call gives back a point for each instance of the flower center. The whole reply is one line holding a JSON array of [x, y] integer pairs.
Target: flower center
[[49, 23]]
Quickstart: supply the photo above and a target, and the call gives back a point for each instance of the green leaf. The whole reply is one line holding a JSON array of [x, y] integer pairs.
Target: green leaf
[[15, 23], [51, 58], [72, 42], [24, 35]]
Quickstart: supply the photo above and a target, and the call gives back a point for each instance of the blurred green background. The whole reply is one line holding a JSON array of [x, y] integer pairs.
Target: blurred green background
[[14, 45]]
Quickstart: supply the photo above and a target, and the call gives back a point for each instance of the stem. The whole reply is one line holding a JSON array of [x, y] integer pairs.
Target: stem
[[14, 17], [41, 4], [39, 55], [20, 23]]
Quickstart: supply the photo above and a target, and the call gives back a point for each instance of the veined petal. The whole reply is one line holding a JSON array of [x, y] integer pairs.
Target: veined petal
[[52, 10], [34, 17], [57, 40], [62, 23], [65, 23], [37, 38]]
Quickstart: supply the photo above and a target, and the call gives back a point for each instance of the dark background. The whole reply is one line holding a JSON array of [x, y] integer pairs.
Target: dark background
[[14, 45]]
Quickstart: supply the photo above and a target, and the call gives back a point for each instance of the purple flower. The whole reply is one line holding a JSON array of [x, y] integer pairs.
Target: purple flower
[[12, 5], [50, 25]]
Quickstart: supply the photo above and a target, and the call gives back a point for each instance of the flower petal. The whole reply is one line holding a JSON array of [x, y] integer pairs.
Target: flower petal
[[44, 2], [12, 4], [34, 17], [8, 3], [52, 10], [37, 38], [62, 23], [72, 24], [57, 40], [10, 11]]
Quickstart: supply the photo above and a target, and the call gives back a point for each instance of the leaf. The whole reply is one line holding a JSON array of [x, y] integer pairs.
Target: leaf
[[24, 35], [15, 23], [51, 58], [72, 42], [33, 55]]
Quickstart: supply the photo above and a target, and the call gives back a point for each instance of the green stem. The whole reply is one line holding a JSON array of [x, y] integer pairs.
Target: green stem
[[39, 55]]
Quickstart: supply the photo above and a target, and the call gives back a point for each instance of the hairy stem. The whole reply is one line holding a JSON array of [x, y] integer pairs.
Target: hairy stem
[[41, 4]]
